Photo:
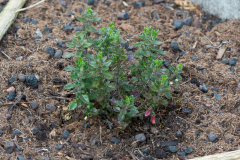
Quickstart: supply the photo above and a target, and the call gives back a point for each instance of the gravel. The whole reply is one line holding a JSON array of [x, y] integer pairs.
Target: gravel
[[213, 138], [11, 96], [179, 134], [187, 21], [34, 105], [217, 96], [204, 89], [34, 21], [58, 54], [140, 137], [12, 79], [173, 149], [47, 29], [186, 110], [90, 2], [21, 77], [21, 158], [35, 131], [65, 134], [59, 43], [32, 81], [232, 62], [174, 46], [182, 153], [50, 51], [188, 150], [51, 108], [17, 131], [177, 23], [137, 4], [59, 146], [114, 140]]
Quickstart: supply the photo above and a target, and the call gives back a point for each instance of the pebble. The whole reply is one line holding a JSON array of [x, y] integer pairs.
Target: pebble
[[28, 19], [158, 1], [59, 43], [55, 21], [86, 125], [137, 4], [77, 28], [21, 158], [12, 79], [63, 3], [130, 57], [1, 133], [59, 146], [9, 147], [21, 77], [213, 138], [182, 53], [146, 151], [155, 14], [19, 58], [179, 134], [58, 54], [182, 153], [214, 89], [34, 21], [10, 89], [35, 131], [123, 16], [67, 27], [177, 24], [194, 58], [50, 51], [217, 96], [90, 2], [204, 88], [187, 21], [195, 81], [11, 96], [167, 64], [65, 134], [224, 62], [32, 81], [188, 150], [196, 23], [186, 110], [8, 116], [82, 146], [70, 13], [140, 137], [17, 131], [49, 35], [125, 45], [34, 105], [174, 46], [45, 159], [173, 149], [31, 58], [160, 153], [51, 108], [114, 140], [232, 62], [47, 29], [108, 3]]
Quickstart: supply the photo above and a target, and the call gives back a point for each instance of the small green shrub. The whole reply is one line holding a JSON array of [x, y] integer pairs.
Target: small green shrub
[[108, 82]]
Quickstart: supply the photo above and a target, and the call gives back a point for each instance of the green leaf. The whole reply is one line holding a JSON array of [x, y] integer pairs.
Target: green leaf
[[163, 102], [68, 55], [107, 64], [179, 77], [161, 52], [147, 53], [122, 114], [167, 95], [111, 86], [97, 19], [93, 64], [70, 44], [176, 83], [69, 68], [138, 44], [69, 86], [74, 40], [134, 79], [81, 19], [86, 45], [73, 106], [108, 75], [84, 98], [95, 84], [157, 42], [153, 87], [92, 96]]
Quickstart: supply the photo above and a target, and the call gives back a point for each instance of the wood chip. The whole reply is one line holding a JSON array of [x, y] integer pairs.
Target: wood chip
[[221, 52], [217, 33], [125, 4]]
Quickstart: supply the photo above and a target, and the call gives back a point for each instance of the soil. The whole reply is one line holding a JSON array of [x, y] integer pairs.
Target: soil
[[89, 137]]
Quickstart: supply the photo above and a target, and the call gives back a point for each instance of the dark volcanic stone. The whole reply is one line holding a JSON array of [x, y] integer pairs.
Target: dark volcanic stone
[[12, 79], [123, 15], [108, 3], [9, 147], [17, 131], [182, 53], [90, 2], [232, 62], [188, 150], [34, 105], [187, 21], [169, 143], [137, 4], [179, 134], [32, 81], [213, 138], [160, 154], [204, 89], [59, 43], [21, 158], [195, 81], [186, 110], [166, 63], [173, 149], [11, 96], [114, 140], [174, 46], [177, 24], [34, 21], [51, 108], [47, 29], [65, 134], [59, 146], [35, 131], [140, 137], [50, 51]]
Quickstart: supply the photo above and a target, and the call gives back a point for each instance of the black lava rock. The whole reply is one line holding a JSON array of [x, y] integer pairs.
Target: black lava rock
[[67, 28], [217, 96], [187, 21], [188, 150], [59, 146], [65, 134], [59, 43], [21, 158], [137, 4], [213, 138], [174, 46], [90, 2], [77, 28], [55, 21], [17, 131], [50, 51], [47, 29], [140, 137], [9, 147], [34, 105], [224, 62], [114, 140], [179, 134], [181, 153], [70, 13], [182, 53], [34, 21], [125, 45], [167, 64], [186, 110], [214, 89], [123, 15], [232, 62], [173, 149], [177, 24], [11, 96], [194, 58], [32, 81], [108, 3], [86, 125], [195, 81], [28, 19], [160, 154], [35, 131], [204, 89], [12, 79]]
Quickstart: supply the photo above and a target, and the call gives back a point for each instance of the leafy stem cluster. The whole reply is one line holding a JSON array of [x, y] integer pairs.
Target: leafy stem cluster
[[106, 84]]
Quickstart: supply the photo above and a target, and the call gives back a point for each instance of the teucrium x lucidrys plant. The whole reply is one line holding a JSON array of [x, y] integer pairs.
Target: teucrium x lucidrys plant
[[106, 84]]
